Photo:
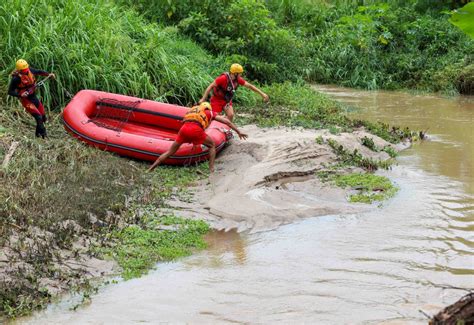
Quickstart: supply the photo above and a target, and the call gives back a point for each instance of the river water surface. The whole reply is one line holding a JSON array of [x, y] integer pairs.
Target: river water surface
[[380, 267]]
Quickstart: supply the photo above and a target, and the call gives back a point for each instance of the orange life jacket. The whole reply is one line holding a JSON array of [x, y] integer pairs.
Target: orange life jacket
[[26, 80], [197, 114]]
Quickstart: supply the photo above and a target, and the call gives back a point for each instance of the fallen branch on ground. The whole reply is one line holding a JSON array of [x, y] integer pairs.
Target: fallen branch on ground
[[10, 153]]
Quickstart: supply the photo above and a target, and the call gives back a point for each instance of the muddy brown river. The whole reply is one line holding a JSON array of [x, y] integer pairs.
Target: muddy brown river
[[388, 266]]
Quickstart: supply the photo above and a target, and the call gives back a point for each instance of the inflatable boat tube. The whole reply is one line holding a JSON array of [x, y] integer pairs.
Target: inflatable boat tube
[[134, 127]]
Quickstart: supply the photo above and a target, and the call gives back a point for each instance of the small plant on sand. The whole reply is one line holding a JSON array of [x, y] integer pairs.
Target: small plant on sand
[[356, 159], [369, 143], [334, 130], [391, 152], [370, 187]]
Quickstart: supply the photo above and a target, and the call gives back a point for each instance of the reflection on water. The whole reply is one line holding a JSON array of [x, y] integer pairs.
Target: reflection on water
[[222, 243], [380, 267]]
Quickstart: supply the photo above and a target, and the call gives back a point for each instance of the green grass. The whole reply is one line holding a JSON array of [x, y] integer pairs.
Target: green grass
[[369, 143], [100, 45], [139, 249], [347, 158], [298, 105], [370, 187], [366, 44]]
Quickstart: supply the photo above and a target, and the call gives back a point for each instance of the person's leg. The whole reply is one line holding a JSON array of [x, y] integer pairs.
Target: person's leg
[[39, 105], [31, 107], [217, 105], [41, 110], [174, 147], [229, 112], [212, 152], [41, 130]]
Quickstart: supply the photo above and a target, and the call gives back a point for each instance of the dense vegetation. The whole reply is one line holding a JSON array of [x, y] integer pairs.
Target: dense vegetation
[[365, 44], [369, 44], [169, 51]]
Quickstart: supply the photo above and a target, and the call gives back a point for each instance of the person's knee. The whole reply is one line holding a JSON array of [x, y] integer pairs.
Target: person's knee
[[209, 143]]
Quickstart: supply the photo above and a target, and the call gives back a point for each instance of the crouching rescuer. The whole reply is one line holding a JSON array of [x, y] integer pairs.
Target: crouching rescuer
[[23, 86], [195, 122]]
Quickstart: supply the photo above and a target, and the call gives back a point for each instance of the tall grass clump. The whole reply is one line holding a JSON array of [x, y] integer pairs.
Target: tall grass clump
[[99, 45]]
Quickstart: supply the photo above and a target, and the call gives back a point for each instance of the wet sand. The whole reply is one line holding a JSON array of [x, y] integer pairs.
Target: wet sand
[[269, 179]]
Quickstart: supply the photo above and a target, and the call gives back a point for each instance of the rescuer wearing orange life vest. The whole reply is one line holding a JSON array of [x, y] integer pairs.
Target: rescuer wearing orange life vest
[[23, 86], [223, 90], [195, 122]]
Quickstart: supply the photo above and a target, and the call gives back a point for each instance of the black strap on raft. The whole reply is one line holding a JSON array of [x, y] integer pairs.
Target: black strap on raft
[[113, 114]]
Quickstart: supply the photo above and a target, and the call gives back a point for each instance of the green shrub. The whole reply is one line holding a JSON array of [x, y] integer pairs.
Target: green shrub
[[229, 27], [385, 46]]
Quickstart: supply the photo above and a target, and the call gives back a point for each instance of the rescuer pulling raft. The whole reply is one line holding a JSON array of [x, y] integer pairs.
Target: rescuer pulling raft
[[195, 122], [23, 86]]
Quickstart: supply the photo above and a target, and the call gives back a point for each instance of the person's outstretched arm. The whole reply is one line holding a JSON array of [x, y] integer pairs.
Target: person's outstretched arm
[[258, 91], [226, 121], [43, 73], [207, 92]]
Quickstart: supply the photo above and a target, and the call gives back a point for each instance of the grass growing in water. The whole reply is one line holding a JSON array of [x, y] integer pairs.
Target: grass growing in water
[[139, 249], [371, 187], [356, 159]]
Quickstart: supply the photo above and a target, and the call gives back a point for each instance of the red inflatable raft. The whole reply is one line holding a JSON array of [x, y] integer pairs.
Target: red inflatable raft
[[135, 127]]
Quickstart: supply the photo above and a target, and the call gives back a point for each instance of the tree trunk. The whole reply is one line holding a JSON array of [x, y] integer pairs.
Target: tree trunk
[[459, 313]]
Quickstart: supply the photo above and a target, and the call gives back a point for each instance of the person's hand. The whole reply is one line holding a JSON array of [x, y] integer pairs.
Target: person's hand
[[242, 136], [52, 75], [25, 93], [265, 98]]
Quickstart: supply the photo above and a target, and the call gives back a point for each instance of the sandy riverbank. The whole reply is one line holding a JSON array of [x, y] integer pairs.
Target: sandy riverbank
[[269, 179]]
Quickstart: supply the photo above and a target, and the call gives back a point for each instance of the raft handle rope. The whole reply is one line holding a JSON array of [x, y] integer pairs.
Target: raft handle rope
[[42, 82]]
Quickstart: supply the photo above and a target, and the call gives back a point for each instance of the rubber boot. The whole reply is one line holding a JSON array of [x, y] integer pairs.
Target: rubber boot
[[40, 129]]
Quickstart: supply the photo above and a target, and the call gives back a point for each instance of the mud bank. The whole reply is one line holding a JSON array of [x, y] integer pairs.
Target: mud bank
[[270, 179], [35, 266]]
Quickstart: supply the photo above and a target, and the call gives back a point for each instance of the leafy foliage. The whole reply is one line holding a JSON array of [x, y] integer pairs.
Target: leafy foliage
[[234, 27], [464, 19], [367, 43], [381, 46]]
